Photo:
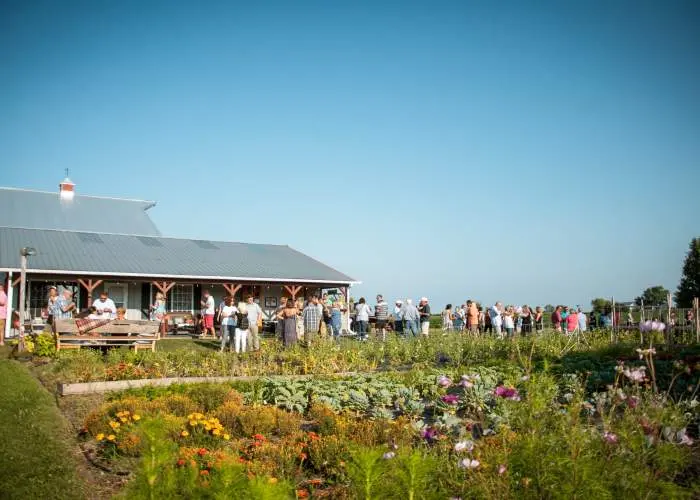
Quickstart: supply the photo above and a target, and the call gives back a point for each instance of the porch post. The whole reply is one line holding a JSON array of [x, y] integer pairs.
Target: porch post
[[293, 291], [232, 288], [90, 286], [10, 290]]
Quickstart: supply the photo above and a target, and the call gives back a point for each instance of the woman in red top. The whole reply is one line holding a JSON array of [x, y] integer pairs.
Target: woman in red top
[[556, 319]]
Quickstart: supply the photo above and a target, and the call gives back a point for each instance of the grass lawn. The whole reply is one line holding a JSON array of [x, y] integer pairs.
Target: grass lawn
[[37, 460]]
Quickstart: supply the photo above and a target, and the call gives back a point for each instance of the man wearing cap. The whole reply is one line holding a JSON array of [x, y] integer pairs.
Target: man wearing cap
[[381, 315], [398, 322], [424, 310]]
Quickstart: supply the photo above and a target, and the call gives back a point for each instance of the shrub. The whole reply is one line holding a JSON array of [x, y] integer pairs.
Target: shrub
[[209, 396], [329, 455], [255, 420], [176, 404], [287, 423], [227, 414], [44, 345], [324, 418]]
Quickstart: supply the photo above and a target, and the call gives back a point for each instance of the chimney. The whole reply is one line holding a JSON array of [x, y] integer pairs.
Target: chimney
[[66, 188]]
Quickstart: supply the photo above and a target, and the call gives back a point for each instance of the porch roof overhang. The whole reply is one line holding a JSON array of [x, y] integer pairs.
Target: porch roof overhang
[[102, 255]]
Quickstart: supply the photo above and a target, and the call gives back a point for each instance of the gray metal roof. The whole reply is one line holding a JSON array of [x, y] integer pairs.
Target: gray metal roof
[[44, 210], [66, 252]]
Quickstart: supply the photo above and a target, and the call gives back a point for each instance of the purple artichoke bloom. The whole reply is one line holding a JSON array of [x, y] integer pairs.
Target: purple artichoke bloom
[[610, 437], [450, 399], [444, 381], [429, 433], [507, 393], [645, 326]]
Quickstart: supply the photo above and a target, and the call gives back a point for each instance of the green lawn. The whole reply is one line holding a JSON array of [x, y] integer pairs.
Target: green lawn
[[37, 460]]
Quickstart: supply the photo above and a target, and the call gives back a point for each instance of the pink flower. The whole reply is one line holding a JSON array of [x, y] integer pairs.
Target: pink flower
[[501, 469], [683, 438], [633, 401], [444, 381], [450, 399], [610, 438], [636, 375], [507, 393]]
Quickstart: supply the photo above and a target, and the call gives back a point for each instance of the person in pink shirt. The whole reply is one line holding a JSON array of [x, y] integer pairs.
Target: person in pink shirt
[[572, 321], [3, 313]]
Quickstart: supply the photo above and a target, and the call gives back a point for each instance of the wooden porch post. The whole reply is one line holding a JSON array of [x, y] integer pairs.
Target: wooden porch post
[[232, 288], [89, 285], [293, 291], [164, 287]]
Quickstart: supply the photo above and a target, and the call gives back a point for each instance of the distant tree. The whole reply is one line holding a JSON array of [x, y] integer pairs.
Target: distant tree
[[600, 304], [653, 296], [689, 287], [549, 308]]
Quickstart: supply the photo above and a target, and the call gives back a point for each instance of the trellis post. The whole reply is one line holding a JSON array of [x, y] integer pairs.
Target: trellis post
[[90, 286]]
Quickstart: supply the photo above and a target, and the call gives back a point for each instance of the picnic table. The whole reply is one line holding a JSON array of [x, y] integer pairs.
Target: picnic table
[[77, 333]]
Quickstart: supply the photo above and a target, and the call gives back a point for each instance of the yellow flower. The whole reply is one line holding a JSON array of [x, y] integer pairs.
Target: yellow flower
[[190, 416], [193, 423], [100, 437], [216, 432], [111, 437], [126, 412], [123, 419], [136, 417], [184, 434], [227, 437], [272, 480], [207, 427], [114, 425]]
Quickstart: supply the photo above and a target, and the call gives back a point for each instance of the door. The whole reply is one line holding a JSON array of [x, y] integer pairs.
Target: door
[[119, 293]]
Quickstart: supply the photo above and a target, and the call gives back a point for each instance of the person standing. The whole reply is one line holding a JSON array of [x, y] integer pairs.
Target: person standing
[[526, 316], [229, 320], [398, 322], [158, 308], [208, 311], [582, 323], [424, 311], [381, 315], [571, 321], [254, 322], [288, 318], [509, 321], [64, 305], [336, 316], [3, 313], [312, 320], [473, 317], [556, 319], [539, 319], [51, 305], [241, 335], [105, 306], [447, 319], [458, 322], [279, 324], [410, 316], [362, 312], [496, 319]]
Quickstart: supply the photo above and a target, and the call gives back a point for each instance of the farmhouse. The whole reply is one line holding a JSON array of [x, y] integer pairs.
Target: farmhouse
[[89, 244]]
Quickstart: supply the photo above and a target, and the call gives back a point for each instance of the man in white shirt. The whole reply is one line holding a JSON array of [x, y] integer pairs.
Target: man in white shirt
[[208, 311], [254, 317], [497, 319], [105, 306]]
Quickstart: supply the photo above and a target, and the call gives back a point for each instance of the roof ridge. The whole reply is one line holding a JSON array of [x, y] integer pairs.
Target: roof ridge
[[151, 202], [159, 236]]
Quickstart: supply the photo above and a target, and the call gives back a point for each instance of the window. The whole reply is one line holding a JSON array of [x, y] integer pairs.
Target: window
[[180, 298]]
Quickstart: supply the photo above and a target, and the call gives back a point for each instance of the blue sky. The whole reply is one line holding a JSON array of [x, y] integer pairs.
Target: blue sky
[[524, 151]]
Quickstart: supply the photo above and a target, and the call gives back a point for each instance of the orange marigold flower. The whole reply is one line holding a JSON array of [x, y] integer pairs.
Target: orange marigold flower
[[258, 437], [201, 452], [272, 480], [180, 462], [204, 472], [302, 494], [302, 456]]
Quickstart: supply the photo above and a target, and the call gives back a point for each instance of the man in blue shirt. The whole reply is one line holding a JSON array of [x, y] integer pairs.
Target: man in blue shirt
[[64, 305]]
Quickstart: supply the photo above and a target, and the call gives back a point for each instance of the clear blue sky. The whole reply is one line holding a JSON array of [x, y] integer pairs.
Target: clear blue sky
[[526, 151]]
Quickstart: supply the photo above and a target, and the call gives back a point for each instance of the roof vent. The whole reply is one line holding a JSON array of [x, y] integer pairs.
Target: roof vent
[[66, 188]]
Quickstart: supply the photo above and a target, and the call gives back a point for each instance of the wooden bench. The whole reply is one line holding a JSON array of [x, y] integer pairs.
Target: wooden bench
[[138, 335]]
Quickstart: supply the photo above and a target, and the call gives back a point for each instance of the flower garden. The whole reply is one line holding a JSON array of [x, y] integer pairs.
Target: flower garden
[[446, 417]]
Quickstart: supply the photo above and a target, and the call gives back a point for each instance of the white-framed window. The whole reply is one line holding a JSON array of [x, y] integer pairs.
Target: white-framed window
[[181, 298]]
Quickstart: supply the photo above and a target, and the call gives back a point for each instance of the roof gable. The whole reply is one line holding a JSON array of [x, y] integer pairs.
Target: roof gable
[[21, 208]]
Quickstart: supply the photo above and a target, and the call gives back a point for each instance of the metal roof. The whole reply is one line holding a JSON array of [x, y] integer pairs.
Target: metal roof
[[91, 253], [44, 210]]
